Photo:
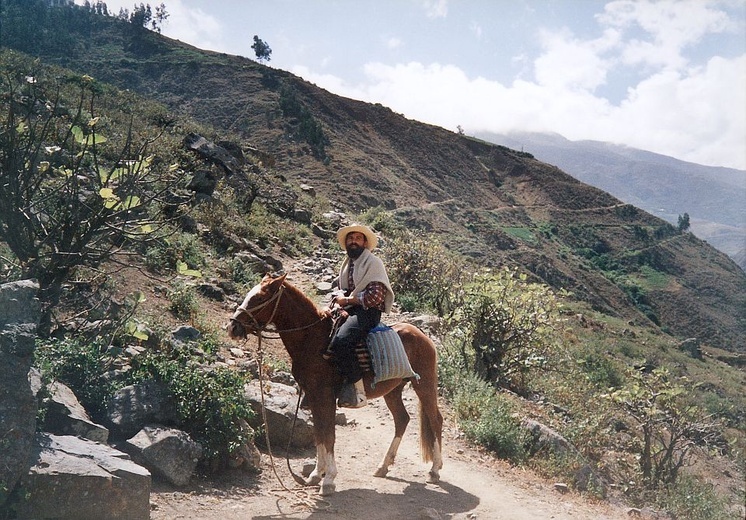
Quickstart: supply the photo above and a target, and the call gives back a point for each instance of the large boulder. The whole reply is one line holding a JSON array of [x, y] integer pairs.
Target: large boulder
[[77, 479], [134, 407], [167, 452], [66, 416], [280, 402], [212, 152], [19, 316]]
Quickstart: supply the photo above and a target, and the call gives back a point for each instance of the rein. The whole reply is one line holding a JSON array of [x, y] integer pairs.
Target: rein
[[258, 331]]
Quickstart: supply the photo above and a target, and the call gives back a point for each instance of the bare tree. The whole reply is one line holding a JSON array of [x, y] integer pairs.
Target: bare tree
[[70, 197]]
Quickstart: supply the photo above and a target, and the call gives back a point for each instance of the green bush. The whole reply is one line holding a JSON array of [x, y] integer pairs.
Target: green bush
[[184, 302], [486, 417], [180, 247], [209, 401], [499, 431], [81, 366], [409, 302], [693, 499], [671, 427], [600, 371], [421, 267], [508, 327]]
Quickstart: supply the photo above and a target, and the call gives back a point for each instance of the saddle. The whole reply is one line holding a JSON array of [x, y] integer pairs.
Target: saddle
[[382, 353]]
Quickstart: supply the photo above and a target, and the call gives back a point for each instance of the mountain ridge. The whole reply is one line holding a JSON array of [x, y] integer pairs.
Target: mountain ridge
[[662, 185], [496, 205]]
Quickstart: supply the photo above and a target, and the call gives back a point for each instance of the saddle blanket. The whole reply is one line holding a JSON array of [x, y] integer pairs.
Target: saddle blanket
[[383, 353]]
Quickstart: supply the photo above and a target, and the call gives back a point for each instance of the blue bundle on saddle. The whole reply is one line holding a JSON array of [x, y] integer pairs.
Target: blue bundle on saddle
[[387, 356]]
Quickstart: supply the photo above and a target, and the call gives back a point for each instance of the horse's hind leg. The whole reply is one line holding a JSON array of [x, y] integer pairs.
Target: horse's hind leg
[[401, 419]]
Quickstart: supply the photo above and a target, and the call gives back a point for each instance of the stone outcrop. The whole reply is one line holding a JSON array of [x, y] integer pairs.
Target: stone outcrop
[[19, 315], [280, 404], [69, 471], [134, 407], [171, 453], [66, 416], [74, 478]]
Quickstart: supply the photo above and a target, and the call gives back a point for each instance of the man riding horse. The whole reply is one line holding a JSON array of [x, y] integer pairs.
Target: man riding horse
[[366, 295]]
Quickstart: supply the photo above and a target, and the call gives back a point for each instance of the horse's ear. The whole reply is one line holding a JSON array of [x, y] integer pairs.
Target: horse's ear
[[273, 282]]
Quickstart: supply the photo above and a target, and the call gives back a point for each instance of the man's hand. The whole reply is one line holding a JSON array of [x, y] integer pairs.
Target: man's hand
[[345, 301]]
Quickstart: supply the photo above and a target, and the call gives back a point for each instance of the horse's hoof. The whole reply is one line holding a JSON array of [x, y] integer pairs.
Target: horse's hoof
[[433, 477], [313, 481], [327, 489], [381, 472]]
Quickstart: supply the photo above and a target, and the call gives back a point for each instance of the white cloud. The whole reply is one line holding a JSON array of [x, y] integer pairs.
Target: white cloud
[[571, 63], [671, 25], [690, 116], [476, 29], [393, 43], [436, 8]]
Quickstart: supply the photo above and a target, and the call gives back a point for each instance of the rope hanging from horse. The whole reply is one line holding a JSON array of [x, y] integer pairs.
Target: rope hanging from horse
[[259, 330], [302, 496]]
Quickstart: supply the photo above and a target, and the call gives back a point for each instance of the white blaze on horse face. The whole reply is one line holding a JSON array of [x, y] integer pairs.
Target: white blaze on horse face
[[245, 305]]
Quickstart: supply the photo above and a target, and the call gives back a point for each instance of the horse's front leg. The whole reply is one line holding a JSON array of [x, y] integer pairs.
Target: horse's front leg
[[318, 471], [324, 435], [325, 471]]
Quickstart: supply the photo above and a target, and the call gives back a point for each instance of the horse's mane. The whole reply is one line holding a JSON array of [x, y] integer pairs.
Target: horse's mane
[[300, 296]]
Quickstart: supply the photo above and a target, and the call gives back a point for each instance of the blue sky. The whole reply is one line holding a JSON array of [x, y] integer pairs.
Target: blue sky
[[667, 76]]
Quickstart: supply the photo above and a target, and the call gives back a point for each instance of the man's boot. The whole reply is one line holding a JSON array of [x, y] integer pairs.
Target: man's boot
[[352, 395]]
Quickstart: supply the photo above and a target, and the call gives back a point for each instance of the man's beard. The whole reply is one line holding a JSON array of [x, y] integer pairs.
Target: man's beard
[[354, 251]]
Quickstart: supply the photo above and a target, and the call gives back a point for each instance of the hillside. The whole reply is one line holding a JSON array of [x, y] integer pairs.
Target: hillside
[[666, 187], [493, 204]]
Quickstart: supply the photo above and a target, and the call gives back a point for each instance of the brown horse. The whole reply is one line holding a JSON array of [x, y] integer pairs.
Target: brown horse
[[304, 330]]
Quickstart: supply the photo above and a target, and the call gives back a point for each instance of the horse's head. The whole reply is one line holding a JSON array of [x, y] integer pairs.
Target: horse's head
[[258, 308]]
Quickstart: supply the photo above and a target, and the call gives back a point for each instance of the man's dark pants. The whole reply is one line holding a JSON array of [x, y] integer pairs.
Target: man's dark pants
[[349, 335]]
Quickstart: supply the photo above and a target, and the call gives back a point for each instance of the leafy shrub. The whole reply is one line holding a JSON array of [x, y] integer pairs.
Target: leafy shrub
[[600, 371], [409, 302], [81, 366], [693, 499], [671, 427], [507, 326], [485, 417], [499, 431], [242, 273], [184, 302], [209, 402], [180, 247], [421, 267]]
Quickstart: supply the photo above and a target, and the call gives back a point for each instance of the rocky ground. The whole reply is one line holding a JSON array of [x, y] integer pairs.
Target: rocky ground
[[474, 485]]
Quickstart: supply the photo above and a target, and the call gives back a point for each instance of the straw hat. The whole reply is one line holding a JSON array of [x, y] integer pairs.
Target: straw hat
[[372, 239]]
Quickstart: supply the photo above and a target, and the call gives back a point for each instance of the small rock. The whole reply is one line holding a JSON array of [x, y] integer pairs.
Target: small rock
[[428, 513]]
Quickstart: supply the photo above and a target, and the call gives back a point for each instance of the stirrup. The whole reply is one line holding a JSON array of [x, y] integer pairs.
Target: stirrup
[[352, 396]]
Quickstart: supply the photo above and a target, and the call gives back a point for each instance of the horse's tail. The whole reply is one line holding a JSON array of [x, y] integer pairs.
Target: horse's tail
[[427, 436]]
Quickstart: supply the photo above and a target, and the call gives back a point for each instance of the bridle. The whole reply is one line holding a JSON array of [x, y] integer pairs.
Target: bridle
[[258, 328]]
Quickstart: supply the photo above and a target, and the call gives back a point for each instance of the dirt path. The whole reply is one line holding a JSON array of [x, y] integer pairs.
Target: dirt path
[[473, 485]]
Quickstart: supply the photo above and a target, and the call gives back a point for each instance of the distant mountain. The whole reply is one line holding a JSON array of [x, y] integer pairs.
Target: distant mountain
[[667, 187], [494, 204]]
